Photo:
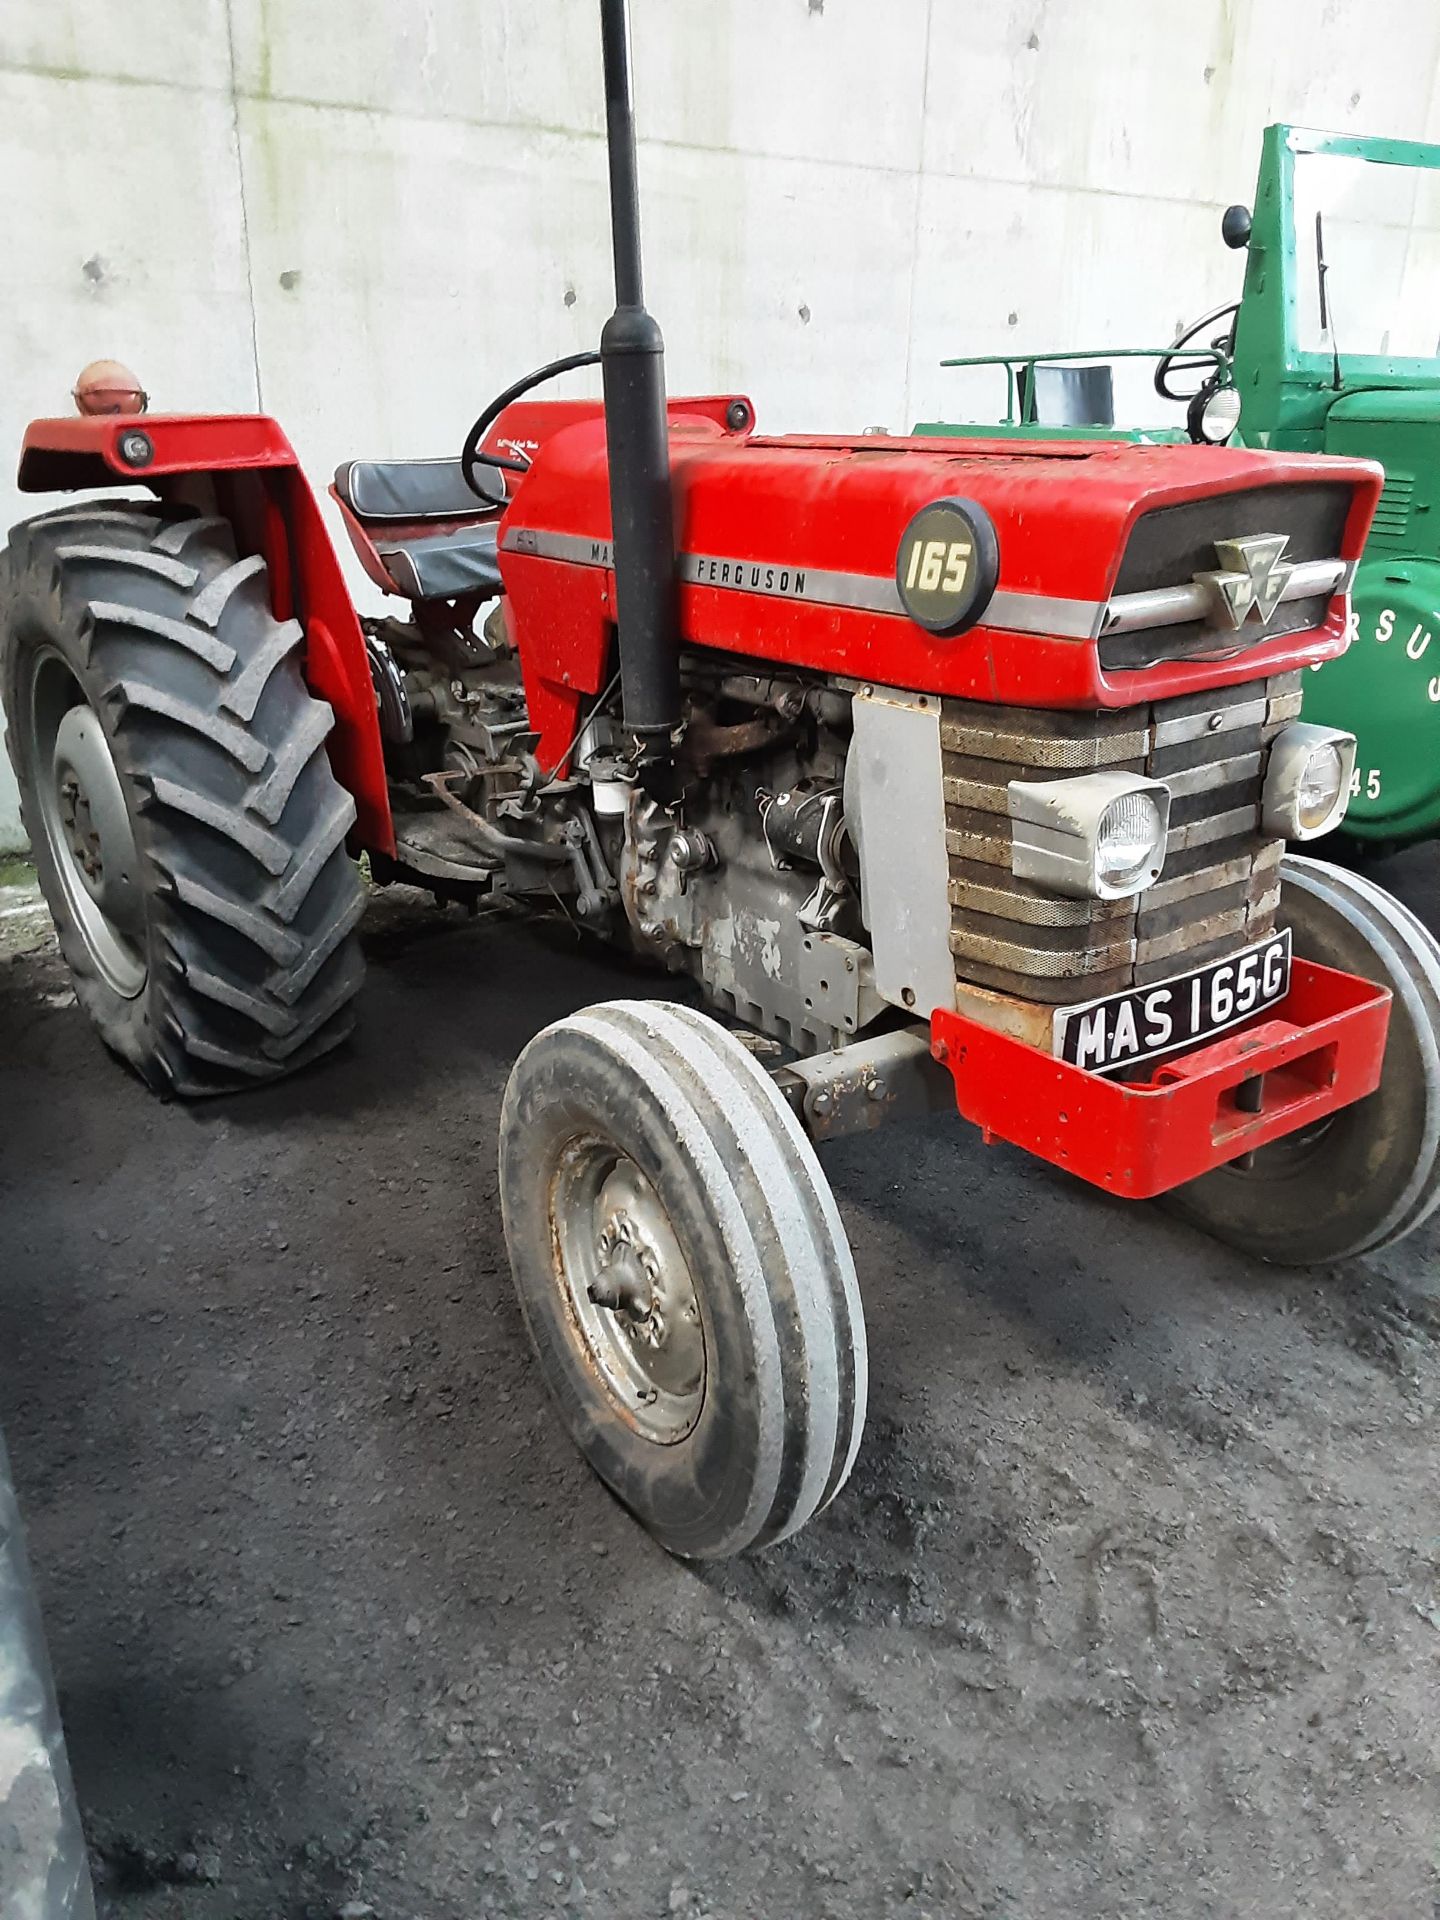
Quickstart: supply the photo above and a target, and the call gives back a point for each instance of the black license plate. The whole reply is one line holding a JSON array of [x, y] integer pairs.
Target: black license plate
[[1144, 1022]]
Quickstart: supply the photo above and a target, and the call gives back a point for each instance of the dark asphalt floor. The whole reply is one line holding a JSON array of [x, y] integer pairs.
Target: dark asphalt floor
[[1133, 1605]]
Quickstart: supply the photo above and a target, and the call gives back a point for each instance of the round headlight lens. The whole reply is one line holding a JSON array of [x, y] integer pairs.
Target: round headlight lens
[[1220, 416], [1319, 790], [1129, 840]]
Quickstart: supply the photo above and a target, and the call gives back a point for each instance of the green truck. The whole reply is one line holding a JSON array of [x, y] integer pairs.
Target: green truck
[[1333, 347]]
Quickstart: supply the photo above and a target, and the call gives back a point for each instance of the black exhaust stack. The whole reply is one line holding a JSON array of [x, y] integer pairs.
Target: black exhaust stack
[[632, 359]]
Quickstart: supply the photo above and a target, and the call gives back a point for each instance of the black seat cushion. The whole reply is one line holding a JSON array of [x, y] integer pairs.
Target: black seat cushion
[[413, 489], [442, 566]]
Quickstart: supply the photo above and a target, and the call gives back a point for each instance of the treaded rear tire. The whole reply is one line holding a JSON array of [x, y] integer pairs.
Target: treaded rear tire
[[251, 903]]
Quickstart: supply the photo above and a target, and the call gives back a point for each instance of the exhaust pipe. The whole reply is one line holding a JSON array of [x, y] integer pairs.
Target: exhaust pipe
[[632, 360]]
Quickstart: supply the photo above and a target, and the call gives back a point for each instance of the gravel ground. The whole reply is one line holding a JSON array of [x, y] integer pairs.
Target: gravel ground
[[1133, 1606]]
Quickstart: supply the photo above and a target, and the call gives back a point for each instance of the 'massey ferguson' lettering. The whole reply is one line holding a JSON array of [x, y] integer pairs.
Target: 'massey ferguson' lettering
[[748, 575], [776, 577]]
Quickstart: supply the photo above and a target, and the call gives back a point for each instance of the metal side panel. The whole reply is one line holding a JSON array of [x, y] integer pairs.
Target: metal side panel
[[895, 806]]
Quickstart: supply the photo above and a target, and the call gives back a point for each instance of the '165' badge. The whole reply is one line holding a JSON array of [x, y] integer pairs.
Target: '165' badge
[[947, 566]]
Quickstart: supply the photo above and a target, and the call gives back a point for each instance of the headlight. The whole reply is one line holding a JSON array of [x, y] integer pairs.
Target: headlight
[[1100, 836], [1214, 415], [1307, 781], [1131, 830]]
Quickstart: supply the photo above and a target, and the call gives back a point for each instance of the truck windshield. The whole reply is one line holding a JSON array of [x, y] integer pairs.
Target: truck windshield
[[1379, 236]]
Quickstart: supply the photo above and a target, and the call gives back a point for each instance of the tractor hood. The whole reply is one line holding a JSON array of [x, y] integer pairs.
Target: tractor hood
[[1401, 429], [1386, 406], [1104, 552]]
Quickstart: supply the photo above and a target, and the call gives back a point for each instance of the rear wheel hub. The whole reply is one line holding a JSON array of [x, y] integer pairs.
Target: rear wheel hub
[[87, 824]]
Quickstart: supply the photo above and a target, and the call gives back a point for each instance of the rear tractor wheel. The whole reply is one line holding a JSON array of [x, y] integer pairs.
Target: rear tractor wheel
[[684, 1275], [187, 830], [1366, 1176]]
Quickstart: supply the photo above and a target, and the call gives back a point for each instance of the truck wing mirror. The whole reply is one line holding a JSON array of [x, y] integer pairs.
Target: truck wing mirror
[[1235, 226]]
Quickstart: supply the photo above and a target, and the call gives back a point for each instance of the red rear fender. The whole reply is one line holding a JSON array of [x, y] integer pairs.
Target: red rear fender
[[243, 466]]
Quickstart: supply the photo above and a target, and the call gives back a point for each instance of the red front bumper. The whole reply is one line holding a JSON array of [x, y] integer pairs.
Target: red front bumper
[[1320, 1048]]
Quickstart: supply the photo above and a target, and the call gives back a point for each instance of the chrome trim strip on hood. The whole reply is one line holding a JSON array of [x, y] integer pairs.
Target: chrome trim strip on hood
[[1173, 606], [1039, 613]]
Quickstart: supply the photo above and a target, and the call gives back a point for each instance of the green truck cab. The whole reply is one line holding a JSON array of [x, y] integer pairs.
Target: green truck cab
[[1333, 347]]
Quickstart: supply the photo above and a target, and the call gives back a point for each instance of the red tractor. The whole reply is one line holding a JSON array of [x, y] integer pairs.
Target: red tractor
[[965, 770]]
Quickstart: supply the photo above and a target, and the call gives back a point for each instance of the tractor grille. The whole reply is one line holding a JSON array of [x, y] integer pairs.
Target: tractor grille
[[1170, 546], [1391, 524], [1219, 886]]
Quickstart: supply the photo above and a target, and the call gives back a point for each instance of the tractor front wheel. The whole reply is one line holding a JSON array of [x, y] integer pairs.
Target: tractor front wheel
[[684, 1275], [187, 830], [1368, 1175]]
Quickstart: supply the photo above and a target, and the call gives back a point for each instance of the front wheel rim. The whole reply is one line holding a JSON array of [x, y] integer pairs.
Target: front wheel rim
[[86, 825], [631, 1304]]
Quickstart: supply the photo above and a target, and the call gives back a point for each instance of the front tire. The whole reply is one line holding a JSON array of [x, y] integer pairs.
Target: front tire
[[1368, 1175], [187, 830], [684, 1275]]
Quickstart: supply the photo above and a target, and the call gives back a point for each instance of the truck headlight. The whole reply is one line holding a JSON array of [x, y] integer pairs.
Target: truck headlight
[[1307, 781], [1100, 836]]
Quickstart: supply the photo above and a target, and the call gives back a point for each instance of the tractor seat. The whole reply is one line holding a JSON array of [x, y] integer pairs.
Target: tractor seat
[[443, 566], [419, 529]]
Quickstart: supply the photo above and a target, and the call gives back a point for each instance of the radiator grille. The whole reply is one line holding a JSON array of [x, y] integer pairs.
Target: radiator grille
[[1219, 886], [1391, 524], [1170, 545]]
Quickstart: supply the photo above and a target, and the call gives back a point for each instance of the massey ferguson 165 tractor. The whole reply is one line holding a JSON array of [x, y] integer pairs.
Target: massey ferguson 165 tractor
[[962, 769], [1334, 347]]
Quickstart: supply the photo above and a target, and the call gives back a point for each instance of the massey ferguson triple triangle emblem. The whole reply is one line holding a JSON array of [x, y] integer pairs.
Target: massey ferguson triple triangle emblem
[[1252, 578]]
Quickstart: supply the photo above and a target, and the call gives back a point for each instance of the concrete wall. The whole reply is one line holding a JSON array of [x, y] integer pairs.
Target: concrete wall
[[367, 218]]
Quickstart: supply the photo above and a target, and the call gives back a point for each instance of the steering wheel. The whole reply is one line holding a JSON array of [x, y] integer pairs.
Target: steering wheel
[[1172, 362], [471, 458]]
